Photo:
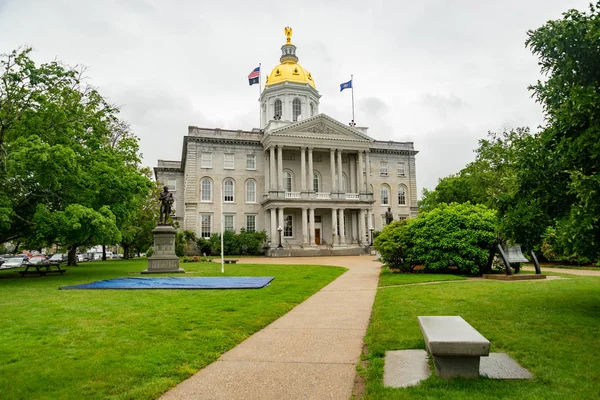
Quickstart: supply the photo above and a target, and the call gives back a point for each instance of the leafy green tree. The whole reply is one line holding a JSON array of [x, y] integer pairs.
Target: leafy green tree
[[393, 244], [64, 156], [454, 234]]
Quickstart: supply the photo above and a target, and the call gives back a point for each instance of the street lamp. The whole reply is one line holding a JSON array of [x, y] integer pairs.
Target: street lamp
[[371, 229], [280, 229]]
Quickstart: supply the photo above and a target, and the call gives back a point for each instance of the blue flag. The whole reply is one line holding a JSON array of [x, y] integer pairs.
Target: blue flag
[[346, 85]]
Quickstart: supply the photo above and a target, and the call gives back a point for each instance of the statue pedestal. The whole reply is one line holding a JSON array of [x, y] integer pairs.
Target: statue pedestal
[[163, 260]]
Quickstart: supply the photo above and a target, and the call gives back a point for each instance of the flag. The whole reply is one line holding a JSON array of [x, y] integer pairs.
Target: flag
[[254, 76], [346, 85]]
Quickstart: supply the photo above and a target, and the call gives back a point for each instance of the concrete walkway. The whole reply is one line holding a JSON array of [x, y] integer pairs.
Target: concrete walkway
[[309, 353], [582, 272]]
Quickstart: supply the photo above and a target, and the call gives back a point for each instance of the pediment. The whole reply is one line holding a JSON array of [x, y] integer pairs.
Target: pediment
[[320, 127]]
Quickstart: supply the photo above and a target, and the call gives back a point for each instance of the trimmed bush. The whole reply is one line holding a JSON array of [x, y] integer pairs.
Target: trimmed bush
[[453, 234], [243, 243], [393, 243]]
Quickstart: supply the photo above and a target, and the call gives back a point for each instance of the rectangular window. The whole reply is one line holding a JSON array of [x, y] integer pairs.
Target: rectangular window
[[228, 222], [172, 185], [206, 226], [383, 222], [229, 161], [401, 169], [250, 161], [383, 168], [206, 160], [401, 217], [251, 223], [288, 227]]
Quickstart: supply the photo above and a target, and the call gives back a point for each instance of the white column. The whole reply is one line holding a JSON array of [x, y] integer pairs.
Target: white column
[[354, 225], [334, 236], [274, 238], [273, 179], [280, 168], [352, 164], [310, 169], [342, 234], [361, 227], [267, 173], [303, 168], [304, 226], [280, 224], [311, 230], [369, 225], [368, 173], [332, 166], [340, 174], [359, 172]]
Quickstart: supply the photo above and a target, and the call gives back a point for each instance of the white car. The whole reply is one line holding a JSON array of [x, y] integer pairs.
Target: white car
[[81, 258], [14, 262]]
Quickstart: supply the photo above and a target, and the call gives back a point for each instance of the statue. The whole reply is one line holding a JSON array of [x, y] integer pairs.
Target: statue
[[389, 217], [166, 202], [288, 34]]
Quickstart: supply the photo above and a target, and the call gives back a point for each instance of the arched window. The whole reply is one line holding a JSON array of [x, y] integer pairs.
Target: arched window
[[228, 190], [312, 109], [344, 183], [296, 109], [316, 181], [288, 179], [401, 195], [277, 109], [251, 191], [385, 195], [206, 189]]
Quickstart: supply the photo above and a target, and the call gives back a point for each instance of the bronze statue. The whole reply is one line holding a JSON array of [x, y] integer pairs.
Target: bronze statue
[[166, 202], [389, 217]]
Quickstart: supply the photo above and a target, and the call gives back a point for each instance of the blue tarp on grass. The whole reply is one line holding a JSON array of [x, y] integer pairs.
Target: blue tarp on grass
[[224, 282]]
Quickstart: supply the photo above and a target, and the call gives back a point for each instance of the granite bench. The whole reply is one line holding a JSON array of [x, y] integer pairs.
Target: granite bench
[[456, 347]]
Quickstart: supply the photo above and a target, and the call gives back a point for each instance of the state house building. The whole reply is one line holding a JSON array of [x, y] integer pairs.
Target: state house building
[[325, 185]]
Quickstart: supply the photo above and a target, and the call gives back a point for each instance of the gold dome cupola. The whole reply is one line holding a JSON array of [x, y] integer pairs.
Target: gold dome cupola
[[289, 70]]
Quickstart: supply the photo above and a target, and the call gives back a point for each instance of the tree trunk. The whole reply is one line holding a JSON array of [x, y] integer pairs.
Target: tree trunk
[[125, 251], [103, 252], [72, 256]]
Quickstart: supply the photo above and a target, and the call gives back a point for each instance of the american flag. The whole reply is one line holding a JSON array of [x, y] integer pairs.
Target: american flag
[[254, 76]]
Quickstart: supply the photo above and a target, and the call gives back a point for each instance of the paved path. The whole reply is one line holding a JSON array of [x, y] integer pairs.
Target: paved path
[[309, 353], [584, 272]]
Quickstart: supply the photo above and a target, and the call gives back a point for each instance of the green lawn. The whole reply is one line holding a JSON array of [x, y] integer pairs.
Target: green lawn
[[131, 344], [387, 278], [550, 327]]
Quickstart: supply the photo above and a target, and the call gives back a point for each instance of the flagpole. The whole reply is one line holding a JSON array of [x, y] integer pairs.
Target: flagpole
[[222, 233], [352, 80], [259, 93]]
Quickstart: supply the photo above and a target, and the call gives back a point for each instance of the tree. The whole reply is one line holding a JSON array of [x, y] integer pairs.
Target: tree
[[559, 185], [393, 244], [65, 157]]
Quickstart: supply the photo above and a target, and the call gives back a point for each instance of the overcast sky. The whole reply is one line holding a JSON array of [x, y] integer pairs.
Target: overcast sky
[[438, 73]]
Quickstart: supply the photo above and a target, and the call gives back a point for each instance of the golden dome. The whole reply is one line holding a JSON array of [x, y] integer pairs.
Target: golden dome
[[289, 70]]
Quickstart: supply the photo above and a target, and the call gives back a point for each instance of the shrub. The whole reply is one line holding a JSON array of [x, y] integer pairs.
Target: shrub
[[558, 246], [243, 243], [453, 234], [393, 243]]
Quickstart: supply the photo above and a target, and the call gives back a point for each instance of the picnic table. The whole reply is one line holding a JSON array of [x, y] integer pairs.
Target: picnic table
[[42, 269]]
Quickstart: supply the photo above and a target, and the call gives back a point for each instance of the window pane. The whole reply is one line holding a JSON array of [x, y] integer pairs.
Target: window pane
[[206, 189], [316, 182], [251, 192], [277, 109], [383, 168], [401, 169], [385, 195], [205, 229], [228, 191], [401, 196], [228, 222], [250, 161], [288, 229], [206, 160], [288, 181], [296, 109], [251, 223], [229, 161]]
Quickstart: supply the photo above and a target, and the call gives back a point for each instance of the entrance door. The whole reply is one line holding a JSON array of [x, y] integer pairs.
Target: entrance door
[[317, 235]]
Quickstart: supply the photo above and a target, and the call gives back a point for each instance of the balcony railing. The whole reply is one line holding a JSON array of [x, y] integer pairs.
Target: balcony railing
[[292, 195], [352, 196], [323, 196], [318, 196]]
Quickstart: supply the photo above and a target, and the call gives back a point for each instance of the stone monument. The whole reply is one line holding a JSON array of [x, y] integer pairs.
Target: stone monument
[[163, 259]]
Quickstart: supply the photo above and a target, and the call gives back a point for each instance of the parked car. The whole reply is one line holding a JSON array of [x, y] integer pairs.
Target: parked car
[[59, 258], [38, 260], [24, 257], [14, 262], [81, 258]]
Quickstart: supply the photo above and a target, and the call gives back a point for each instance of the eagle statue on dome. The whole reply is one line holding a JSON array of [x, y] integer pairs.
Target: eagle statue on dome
[[288, 33]]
